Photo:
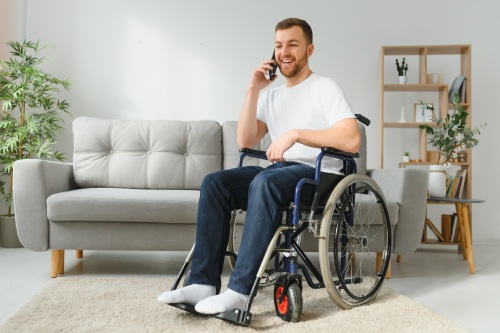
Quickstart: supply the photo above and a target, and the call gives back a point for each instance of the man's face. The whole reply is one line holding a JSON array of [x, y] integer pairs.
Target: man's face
[[292, 51]]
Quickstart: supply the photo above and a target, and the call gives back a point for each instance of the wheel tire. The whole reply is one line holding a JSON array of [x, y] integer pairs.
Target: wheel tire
[[349, 242], [290, 308]]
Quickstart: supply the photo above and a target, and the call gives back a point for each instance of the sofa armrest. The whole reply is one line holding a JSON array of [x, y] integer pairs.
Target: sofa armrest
[[34, 181], [407, 187]]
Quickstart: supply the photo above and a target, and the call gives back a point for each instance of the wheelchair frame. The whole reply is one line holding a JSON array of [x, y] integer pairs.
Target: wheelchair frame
[[288, 284]]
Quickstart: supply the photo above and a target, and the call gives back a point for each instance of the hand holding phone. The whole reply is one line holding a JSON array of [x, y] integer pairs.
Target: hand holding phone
[[272, 72]]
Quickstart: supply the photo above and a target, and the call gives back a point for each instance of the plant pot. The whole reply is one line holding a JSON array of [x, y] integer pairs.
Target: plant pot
[[403, 79], [8, 233], [437, 181], [406, 159]]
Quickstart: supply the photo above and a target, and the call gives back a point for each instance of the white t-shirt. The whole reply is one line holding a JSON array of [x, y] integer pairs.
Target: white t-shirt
[[316, 103]]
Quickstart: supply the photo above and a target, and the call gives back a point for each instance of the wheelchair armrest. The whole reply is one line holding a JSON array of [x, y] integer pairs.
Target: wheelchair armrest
[[340, 153], [254, 153]]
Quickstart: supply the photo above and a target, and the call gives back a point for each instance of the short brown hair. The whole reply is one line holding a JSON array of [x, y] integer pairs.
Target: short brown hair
[[291, 22]]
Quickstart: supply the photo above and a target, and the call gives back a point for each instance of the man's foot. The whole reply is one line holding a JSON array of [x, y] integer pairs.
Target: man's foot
[[226, 301], [190, 295]]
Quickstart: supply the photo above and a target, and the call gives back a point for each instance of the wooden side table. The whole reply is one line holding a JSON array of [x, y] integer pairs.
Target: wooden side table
[[463, 224]]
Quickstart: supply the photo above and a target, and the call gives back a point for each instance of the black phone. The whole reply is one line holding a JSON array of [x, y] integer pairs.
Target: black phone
[[272, 72]]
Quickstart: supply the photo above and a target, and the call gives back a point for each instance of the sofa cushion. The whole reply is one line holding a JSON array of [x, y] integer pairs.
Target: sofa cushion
[[231, 150], [159, 154], [124, 205]]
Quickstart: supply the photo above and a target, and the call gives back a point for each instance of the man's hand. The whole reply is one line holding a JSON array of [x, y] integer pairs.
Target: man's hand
[[280, 146], [259, 80]]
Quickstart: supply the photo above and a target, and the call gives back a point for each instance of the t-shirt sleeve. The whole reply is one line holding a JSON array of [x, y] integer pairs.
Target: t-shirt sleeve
[[334, 102]]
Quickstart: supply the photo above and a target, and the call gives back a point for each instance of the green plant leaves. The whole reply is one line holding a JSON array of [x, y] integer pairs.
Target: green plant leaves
[[452, 133], [31, 111]]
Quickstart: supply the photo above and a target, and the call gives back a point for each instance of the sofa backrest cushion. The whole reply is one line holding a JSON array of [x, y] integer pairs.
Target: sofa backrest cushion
[[231, 150], [151, 154]]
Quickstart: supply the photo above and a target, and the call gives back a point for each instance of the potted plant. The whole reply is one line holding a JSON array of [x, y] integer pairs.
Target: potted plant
[[30, 117], [402, 69], [406, 157], [449, 136]]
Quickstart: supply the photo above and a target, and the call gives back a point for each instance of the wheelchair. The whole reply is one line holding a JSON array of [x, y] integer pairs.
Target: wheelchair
[[354, 235]]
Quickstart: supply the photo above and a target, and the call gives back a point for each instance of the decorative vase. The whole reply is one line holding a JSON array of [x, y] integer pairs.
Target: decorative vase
[[402, 79], [402, 118], [8, 233], [437, 181]]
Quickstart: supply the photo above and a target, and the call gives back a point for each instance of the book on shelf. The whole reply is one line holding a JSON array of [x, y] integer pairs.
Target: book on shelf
[[452, 188], [462, 90], [447, 227], [455, 87], [449, 184], [455, 184], [462, 174], [455, 228]]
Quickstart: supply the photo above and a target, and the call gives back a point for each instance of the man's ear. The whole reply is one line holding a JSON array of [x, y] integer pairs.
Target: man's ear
[[310, 50]]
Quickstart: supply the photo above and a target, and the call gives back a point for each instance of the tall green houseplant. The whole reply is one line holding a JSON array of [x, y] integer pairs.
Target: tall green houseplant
[[31, 112]]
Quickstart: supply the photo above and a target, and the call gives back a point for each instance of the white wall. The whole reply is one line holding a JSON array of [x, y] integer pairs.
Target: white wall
[[192, 59], [12, 23]]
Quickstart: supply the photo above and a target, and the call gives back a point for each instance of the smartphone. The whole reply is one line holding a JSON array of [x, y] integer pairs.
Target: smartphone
[[272, 72]]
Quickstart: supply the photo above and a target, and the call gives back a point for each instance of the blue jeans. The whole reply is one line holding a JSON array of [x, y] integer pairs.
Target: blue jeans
[[263, 193]]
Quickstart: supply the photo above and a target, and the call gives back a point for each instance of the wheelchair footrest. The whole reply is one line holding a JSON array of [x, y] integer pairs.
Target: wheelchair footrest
[[235, 316]]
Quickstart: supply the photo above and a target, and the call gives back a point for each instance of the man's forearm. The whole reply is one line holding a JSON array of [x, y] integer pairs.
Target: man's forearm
[[340, 138], [344, 136], [248, 129]]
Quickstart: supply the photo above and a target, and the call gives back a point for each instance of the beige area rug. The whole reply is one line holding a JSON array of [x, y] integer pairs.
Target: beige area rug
[[123, 304]]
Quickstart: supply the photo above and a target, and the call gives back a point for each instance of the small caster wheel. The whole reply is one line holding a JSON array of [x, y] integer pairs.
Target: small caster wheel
[[288, 299]]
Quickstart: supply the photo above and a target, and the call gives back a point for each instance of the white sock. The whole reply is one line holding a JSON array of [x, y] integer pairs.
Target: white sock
[[190, 295], [226, 301]]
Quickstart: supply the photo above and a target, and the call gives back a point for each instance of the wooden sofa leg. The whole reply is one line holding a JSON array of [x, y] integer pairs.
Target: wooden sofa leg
[[79, 254], [57, 263], [60, 270], [379, 262]]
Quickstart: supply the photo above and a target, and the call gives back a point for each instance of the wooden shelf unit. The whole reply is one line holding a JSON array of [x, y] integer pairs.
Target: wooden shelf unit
[[424, 53]]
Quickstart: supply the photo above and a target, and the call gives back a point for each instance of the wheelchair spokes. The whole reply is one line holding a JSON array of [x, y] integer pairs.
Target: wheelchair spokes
[[355, 243]]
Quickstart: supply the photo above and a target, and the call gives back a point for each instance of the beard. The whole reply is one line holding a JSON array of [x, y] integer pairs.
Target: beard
[[299, 65]]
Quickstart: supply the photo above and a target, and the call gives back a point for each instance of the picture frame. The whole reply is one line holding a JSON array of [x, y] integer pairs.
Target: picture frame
[[422, 114]]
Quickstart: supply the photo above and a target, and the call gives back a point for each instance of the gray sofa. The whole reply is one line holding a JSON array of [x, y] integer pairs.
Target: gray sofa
[[134, 185]]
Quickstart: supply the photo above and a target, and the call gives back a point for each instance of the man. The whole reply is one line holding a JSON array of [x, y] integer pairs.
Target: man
[[306, 113]]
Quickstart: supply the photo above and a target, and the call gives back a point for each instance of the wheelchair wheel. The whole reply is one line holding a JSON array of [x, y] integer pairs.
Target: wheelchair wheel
[[288, 306], [355, 227]]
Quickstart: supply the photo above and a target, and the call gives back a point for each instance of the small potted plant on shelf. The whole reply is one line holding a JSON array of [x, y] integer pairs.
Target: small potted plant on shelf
[[449, 136], [402, 69], [29, 119], [406, 157]]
